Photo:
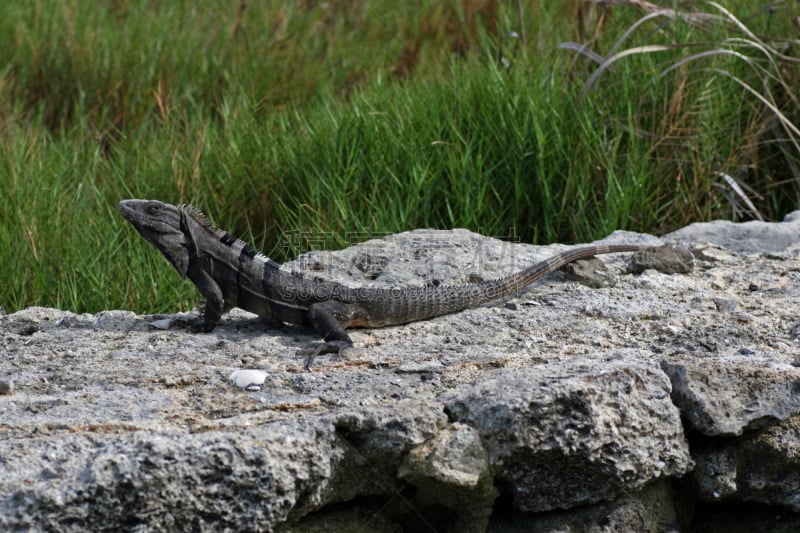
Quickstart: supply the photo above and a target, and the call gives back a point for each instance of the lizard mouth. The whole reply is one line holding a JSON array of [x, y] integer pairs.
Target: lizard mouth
[[124, 209]]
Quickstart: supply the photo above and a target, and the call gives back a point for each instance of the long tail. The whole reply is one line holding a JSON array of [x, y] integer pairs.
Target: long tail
[[509, 285], [403, 306]]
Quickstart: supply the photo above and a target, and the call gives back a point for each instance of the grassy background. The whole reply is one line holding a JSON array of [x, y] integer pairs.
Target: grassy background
[[328, 119]]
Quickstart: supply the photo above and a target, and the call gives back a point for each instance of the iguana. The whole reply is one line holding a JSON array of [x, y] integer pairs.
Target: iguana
[[229, 273]]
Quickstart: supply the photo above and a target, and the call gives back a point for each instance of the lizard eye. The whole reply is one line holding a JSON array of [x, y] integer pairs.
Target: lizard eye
[[153, 209]]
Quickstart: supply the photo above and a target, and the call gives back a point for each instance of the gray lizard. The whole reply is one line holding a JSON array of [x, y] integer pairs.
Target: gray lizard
[[229, 274]]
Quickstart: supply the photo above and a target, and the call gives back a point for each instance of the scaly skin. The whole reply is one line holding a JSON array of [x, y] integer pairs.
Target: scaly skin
[[230, 274]]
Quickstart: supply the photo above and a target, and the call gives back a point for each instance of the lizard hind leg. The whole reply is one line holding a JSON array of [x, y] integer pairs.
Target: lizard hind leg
[[328, 319]]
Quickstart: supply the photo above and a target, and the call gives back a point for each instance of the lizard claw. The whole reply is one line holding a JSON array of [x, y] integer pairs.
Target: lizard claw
[[333, 347]]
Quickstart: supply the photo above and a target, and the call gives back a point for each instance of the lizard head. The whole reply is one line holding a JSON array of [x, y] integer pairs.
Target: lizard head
[[162, 225]]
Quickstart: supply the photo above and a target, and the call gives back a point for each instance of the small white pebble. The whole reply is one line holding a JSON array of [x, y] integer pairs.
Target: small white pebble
[[164, 323], [249, 379]]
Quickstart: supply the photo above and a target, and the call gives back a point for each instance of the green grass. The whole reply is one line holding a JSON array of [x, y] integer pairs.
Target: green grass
[[283, 120]]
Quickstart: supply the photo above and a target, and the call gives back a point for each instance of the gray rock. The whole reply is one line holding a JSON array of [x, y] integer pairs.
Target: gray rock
[[95, 480], [745, 237], [725, 396], [650, 509], [452, 470], [665, 259], [763, 467], [591, 272], [556, 402], [575, 433], [244, 480]]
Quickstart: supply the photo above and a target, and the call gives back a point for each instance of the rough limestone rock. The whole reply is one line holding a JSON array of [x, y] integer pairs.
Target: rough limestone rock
[[665, 399], [746, 237], [576, 432], [724, 396], [763, 466]]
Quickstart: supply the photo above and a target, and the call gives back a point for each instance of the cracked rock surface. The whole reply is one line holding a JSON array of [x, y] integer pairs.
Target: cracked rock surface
[[667, 398]]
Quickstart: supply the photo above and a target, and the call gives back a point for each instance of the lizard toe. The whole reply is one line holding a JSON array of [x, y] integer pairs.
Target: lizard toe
[[328, 347]]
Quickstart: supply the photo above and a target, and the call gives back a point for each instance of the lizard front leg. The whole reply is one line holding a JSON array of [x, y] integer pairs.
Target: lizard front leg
[[213, 294], [328, 318]]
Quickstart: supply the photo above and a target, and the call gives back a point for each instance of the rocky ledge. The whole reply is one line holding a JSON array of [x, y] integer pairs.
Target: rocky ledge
[[644, 393]]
